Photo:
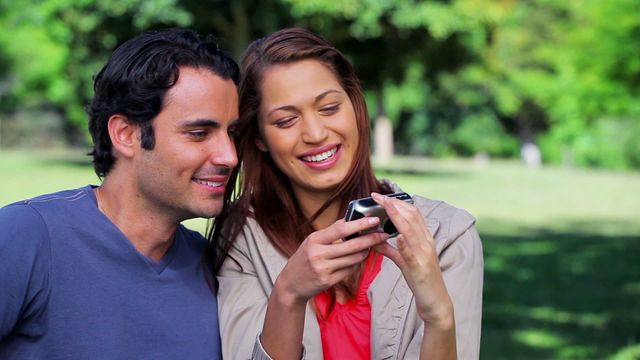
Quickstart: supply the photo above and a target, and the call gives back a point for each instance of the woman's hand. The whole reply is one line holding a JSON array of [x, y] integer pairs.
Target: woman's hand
[[417, 259], [323, 259]]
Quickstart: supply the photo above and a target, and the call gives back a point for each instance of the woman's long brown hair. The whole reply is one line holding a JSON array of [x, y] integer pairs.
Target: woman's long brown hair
[[262, 190]]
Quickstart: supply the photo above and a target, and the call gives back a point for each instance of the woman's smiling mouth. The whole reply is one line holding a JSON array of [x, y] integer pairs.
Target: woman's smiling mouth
[[321, 156]]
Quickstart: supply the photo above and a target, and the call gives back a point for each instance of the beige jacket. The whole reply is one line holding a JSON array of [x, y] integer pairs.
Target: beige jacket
[[396, 328]]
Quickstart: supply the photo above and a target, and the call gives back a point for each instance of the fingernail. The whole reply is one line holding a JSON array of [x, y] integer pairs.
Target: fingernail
[[372, 220]]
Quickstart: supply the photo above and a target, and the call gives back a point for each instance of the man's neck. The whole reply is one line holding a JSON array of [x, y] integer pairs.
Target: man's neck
[[150, 232]]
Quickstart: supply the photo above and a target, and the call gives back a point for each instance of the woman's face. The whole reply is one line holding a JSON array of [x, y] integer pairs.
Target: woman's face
[[308, 125]]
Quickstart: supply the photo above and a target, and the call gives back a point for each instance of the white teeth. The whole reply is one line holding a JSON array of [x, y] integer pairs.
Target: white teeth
[[209, 183], [321, 157]]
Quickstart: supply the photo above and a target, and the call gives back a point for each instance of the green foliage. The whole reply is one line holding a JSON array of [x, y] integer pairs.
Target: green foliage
[[56, 46], [563, 74], [610, 142], [483, 133]]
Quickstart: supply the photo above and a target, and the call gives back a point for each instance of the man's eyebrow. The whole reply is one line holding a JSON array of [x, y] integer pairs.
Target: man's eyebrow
[[318, 98], [200, 123]]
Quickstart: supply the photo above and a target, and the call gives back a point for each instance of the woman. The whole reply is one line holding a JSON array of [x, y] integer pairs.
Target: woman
[[288, 285]]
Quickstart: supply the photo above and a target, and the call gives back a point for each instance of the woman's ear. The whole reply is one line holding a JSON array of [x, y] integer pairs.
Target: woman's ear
[[261, 145], [124, 134]]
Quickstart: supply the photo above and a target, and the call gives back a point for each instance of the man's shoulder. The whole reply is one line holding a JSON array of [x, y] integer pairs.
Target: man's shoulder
[[58, 197], [33, 215], [24, 233], [50, 200]]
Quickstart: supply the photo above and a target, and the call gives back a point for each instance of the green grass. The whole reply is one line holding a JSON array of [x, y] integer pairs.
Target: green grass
[[562, 246], [562, 254]]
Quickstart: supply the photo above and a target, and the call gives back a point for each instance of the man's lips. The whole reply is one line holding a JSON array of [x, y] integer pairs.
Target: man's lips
[[211, 181]]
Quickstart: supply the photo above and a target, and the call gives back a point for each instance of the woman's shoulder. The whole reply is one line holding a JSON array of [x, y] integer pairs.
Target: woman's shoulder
[[447, 223], [443, 212], [451, 220]]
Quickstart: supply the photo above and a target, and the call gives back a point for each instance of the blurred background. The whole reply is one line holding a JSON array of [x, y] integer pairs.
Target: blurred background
[[525, 113]]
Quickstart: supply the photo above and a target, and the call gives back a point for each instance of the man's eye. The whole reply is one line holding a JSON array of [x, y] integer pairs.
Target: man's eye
[[233, 131], [198, 134]]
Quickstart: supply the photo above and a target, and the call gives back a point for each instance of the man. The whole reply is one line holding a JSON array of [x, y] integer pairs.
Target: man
[[108, 272]]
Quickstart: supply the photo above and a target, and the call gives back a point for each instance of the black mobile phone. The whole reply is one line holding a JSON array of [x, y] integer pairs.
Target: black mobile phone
[[360, 208]]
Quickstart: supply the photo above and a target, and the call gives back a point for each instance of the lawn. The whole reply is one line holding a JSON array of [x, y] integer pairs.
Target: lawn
[[562, 246]]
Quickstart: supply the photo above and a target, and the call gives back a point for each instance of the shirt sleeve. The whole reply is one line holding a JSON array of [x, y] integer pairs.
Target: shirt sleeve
[[462, 268], [24, 272], [259, 353]]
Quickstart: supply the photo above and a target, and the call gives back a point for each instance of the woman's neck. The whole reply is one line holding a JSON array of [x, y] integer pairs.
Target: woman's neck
[[311, 202]]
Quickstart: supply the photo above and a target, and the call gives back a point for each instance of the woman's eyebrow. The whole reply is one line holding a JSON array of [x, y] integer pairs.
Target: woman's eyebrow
[[324, 94]]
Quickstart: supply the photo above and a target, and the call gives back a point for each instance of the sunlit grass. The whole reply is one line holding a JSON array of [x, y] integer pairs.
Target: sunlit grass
[[506, 191]]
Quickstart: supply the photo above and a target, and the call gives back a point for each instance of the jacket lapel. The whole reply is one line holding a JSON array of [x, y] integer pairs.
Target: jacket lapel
[[274, 263]]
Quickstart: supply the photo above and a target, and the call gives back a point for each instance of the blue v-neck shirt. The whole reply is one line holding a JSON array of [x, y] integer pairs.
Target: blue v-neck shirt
[[72, 286]]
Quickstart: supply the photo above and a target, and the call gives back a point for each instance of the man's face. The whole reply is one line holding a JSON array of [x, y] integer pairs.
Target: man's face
[[185, 174]]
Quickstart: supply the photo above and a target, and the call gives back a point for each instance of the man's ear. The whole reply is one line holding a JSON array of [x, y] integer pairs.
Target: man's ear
[[124, 134], [261, 145]]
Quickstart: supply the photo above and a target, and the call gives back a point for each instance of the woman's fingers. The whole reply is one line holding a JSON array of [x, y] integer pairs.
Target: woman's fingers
[[406, 218], [328, 272], [348, 261], [398, 219], [412, 258], [360, 243], [390, 252], [341, 229]]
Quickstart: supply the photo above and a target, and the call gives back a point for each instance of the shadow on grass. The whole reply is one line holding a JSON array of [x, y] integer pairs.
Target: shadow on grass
[[560, 295]]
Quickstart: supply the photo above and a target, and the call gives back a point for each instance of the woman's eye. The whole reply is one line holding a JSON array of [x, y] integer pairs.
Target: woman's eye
[[285, 122], [331, 109]]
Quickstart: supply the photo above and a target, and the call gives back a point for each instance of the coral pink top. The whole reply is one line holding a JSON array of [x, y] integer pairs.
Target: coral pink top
[[346, 332]]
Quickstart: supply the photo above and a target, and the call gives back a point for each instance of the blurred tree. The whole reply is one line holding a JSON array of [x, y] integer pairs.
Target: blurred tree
[[56, 47], [549, 71], [453, 77]]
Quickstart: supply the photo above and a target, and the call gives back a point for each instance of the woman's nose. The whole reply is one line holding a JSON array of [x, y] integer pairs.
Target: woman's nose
[[314, 130]]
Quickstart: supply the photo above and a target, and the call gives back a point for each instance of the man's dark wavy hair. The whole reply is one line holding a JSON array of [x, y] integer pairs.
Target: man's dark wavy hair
[[138, 75]]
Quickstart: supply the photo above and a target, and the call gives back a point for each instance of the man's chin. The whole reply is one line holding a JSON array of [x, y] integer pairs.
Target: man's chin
[[209, 213]]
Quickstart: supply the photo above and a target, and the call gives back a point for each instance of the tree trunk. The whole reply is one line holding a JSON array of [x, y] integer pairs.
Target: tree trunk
[[383, 133]]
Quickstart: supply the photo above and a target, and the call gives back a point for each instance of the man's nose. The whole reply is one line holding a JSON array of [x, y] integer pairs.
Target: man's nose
[[224, 152]]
